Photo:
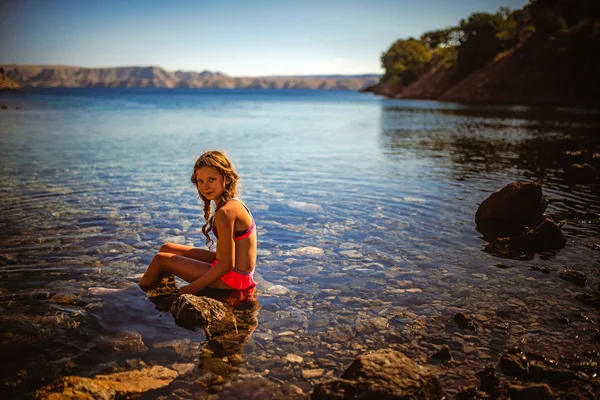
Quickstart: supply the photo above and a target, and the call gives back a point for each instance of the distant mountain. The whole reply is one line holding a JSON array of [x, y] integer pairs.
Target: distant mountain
[[155, 77]]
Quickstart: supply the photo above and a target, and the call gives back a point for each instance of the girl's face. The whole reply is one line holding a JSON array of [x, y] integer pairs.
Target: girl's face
[[210, 183]]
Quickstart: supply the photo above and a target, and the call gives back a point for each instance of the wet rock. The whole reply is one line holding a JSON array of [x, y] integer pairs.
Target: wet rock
[[192, 311], [545, 235], [65, 298], [574, 276], [384, 373], [312, 373], [537, 391], [130, 342], [590, 299], [517, 205], [108, 386], [489, 381], [463, 321], [471, 393], [442, 355], [543, 269], [277, 290], [581, 173], [514, 363]]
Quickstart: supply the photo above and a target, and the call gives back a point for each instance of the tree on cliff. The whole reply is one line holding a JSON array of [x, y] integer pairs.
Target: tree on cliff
[[406, 60]]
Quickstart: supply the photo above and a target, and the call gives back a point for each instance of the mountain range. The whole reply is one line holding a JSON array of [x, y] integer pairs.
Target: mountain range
[[156, 77]]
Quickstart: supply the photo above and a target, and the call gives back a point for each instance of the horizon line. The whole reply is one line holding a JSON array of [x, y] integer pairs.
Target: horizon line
[[195, 71]]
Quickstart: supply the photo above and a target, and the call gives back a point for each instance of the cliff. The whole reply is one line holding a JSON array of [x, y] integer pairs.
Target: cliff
[[154, 77], [556, 70], [6, 83]]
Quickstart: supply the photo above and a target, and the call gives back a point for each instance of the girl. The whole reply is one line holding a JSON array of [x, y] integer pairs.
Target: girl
[[231, 266]]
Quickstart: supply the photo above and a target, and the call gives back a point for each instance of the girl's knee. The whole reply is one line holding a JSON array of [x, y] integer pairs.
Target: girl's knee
[[166, 248]]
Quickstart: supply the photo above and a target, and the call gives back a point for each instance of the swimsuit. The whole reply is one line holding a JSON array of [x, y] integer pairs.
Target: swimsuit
[[239, 235], [237, 278]]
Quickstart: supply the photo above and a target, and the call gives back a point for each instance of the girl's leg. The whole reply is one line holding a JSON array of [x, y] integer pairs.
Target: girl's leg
[[184, 267], [188, 251]]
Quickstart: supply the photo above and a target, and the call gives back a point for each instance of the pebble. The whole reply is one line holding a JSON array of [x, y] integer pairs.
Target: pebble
[[351, 253], [312, 373], [293, 359]]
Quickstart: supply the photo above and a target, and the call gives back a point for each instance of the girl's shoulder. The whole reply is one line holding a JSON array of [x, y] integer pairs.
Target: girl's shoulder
[[231, 208]]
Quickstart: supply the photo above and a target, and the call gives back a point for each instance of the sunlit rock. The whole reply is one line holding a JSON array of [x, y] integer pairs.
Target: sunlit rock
[[382, 374], [108, 386], [192, 311]]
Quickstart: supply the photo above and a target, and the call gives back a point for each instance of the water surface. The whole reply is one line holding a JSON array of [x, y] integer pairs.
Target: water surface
[[365, 212]]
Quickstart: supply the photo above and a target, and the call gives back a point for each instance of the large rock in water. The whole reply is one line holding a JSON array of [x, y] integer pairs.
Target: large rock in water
[[385, 374], [192, 311], [517, 205], [108, 386]]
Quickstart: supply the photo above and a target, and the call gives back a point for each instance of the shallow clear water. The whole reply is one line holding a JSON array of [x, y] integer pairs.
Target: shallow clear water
[[94, 181]]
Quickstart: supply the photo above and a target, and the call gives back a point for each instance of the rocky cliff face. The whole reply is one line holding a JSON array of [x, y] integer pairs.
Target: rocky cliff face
[[64, 76], [560, 70], [6, 83]]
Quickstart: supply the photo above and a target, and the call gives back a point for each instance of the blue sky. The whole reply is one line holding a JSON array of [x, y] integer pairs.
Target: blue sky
[[239, 38]]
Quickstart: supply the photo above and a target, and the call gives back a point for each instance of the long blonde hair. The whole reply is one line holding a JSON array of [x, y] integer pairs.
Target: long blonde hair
[[218, 160]]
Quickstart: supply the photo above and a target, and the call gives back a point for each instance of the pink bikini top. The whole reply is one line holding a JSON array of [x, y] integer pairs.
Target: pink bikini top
[[239, 235]]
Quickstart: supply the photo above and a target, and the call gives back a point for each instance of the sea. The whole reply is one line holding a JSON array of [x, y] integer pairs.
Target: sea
[[365, 212]]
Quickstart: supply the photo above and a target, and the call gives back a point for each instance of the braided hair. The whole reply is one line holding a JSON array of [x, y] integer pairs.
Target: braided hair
[[218, 160]]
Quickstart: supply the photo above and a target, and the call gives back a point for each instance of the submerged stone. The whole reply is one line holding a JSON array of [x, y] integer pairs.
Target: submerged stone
[[574, 276]]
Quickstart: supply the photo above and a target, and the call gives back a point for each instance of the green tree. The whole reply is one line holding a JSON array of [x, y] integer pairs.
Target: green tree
[[483, 36], [406, 59]]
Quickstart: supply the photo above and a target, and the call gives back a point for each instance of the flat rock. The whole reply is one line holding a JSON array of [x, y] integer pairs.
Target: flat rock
[[103, 387]]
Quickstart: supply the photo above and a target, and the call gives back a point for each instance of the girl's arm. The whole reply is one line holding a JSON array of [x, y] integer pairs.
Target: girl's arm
[[224, 220]]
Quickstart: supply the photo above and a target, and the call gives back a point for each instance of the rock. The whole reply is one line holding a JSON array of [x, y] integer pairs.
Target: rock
[[488, 379], [192, 311], [545, 235], [442, 355], [514, 364], [574, 276], [183, 369], [471, 393], [517, 205], [109, 386], [538, 391], [292, 358], [463, 321], [581, 173], [382, 374], [130, 342], [312, 373], [543, 269], [277, 290], [592, 300], [65, 298], [306, 251]]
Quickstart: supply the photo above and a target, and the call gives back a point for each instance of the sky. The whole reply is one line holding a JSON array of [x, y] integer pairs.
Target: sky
[[236, 37]]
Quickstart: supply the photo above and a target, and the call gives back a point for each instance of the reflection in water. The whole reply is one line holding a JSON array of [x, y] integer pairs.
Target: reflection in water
[[223, 350]]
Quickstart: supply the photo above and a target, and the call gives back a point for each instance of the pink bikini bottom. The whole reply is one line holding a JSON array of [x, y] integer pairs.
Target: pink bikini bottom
[[236, 278]]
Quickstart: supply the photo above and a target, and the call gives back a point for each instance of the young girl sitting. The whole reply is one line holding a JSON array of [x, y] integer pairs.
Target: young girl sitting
[[231, 266]]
